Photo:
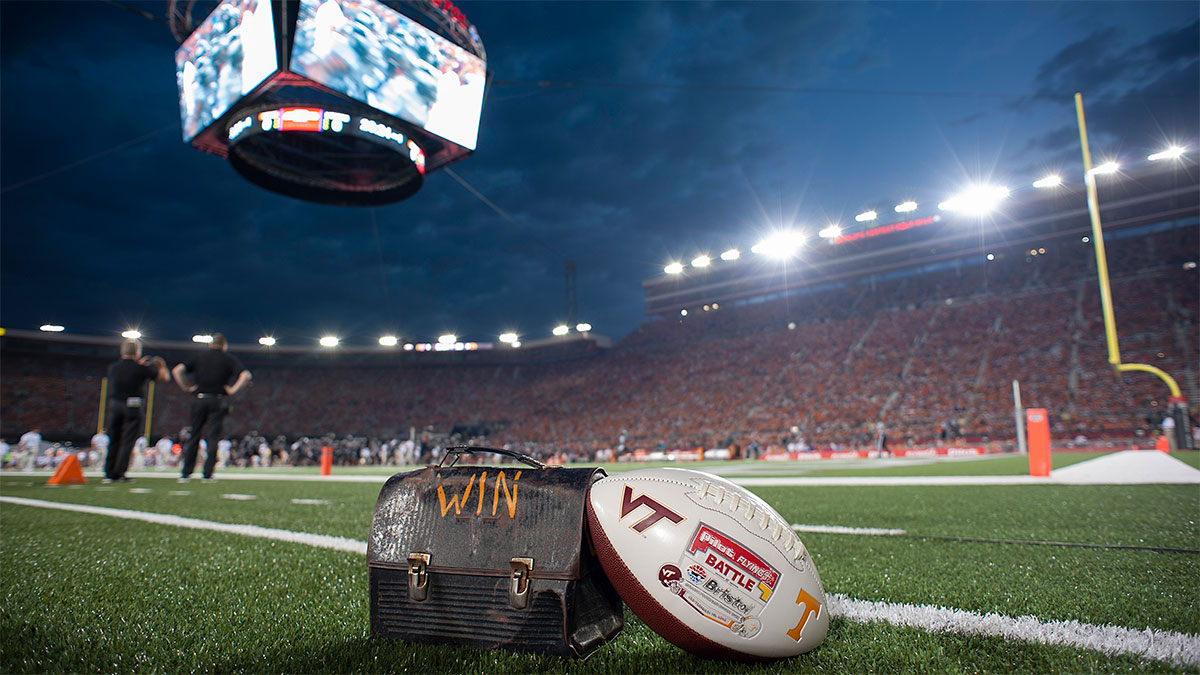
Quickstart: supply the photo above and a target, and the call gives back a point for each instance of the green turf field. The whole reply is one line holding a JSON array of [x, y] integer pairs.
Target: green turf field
[[93, 593]]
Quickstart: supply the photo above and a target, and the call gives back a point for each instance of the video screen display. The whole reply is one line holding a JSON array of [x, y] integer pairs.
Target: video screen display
[[374, 54], [228, 55]]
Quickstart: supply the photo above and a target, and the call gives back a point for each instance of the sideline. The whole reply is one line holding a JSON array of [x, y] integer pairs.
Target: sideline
[[1179, 649]]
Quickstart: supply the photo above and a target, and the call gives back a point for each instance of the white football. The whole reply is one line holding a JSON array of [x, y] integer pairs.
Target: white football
[[707, 564]]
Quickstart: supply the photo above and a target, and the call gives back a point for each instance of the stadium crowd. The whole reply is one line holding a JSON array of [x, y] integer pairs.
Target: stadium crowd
[[931, 355]]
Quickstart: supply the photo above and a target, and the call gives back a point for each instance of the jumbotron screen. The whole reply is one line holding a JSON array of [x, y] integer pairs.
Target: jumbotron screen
[[374, 54], [227, 56]]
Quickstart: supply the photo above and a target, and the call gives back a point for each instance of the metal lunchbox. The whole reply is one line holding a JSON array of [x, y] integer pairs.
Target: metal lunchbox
[[491, 557]]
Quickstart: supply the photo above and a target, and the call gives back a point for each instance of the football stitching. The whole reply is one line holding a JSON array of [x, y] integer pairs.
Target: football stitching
[[795, 552]]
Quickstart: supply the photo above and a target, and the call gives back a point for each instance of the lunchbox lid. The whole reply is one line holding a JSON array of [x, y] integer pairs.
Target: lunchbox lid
[[481, 517]]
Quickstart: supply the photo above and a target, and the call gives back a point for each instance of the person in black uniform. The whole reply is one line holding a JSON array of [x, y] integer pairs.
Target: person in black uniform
[[127, 380], [212, 377]]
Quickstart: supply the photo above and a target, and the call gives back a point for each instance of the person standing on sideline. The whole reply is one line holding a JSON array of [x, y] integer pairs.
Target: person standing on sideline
[[881, 439], [212, 377], [127, 380], [100, 445], [31, 446]]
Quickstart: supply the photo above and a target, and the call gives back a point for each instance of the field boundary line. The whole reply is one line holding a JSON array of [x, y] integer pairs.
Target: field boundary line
[[886, 532], [314, 540], [1180, 649]]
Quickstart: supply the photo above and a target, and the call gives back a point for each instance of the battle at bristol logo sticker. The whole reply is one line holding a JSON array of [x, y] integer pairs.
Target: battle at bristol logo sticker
[[724, 581]]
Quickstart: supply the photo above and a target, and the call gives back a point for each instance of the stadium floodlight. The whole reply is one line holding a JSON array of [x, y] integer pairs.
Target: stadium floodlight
[[266, 341], [906, 207], [731, 254], [1173, 152], [202, 339], [701, 261], [561, 330], [781, 245], [833, 231], [977, 200], [1105, 168], [991, 256], [329, 341], [508, 338], [51, 328], [132, 334], [1049, 181], [516, 344], [447, 339], [683, 312], [673, 268], [583, 327], [866, 216], [388, 341]]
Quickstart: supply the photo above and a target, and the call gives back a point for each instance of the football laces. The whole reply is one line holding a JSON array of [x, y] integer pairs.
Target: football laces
[[774, 528]]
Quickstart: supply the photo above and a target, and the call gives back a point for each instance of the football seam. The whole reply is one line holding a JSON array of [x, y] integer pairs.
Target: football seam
[[687, 484]]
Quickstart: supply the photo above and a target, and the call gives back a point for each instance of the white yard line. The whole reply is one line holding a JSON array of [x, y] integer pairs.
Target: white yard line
[[1179, 649], [838, 529], [315, 540]]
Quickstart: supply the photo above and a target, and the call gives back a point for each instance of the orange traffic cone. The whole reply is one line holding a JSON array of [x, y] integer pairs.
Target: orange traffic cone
[[68, 473], [1162, 444]]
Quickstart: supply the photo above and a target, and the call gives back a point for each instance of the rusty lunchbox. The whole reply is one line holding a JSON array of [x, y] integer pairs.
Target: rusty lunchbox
[[490, 556]]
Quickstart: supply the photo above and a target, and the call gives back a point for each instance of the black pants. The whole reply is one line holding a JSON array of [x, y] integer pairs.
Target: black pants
[[122, 423], [208, 416]]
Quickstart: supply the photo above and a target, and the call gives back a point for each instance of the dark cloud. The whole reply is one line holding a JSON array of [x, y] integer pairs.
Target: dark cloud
[[616, 178]]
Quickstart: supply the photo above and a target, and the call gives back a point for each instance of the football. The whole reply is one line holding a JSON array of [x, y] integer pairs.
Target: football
[[707, 564]]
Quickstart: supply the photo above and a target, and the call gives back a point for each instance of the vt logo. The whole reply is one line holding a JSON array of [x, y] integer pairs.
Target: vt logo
[[657, 511]]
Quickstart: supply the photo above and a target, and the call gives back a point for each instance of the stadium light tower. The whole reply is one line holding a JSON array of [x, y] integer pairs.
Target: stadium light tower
[[1104, 169], [266, 341], [132, 334], [583, 327], [866, 216], [1049, 181], [329, 341], [447, 339], [701, 261], [780, 245], [977, 200], [1173, 152], [731, 254], [906, 207], [561, 330], [388, 341], [673, 268], [509, 338], [51, 328], [832, 231], [202, 339]]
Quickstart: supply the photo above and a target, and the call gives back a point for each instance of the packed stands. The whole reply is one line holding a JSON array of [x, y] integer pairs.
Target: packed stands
[[932, 355]]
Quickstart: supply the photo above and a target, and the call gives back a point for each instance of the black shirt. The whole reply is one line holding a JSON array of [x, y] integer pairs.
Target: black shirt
[[127, 378], [212, 370]]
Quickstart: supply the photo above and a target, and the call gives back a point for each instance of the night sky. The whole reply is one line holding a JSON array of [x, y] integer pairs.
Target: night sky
[[695, 127]]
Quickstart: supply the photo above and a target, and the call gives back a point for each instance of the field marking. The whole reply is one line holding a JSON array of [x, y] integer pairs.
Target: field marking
[[140, 491], [314, 540], [1180, 649], [838, 529], [179, 493], [310, 501], [239, 498]]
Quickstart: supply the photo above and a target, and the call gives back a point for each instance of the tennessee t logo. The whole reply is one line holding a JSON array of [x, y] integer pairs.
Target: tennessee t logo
[[657, 511]]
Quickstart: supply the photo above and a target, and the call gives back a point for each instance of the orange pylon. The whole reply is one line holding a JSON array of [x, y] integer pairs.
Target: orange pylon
[[68, 473]]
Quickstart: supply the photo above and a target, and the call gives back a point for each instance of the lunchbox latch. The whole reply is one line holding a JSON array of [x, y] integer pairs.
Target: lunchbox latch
[[418, 576], [518, 585]]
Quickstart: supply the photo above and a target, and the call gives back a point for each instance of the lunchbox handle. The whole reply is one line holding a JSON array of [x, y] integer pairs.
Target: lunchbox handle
[[455, 451]]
